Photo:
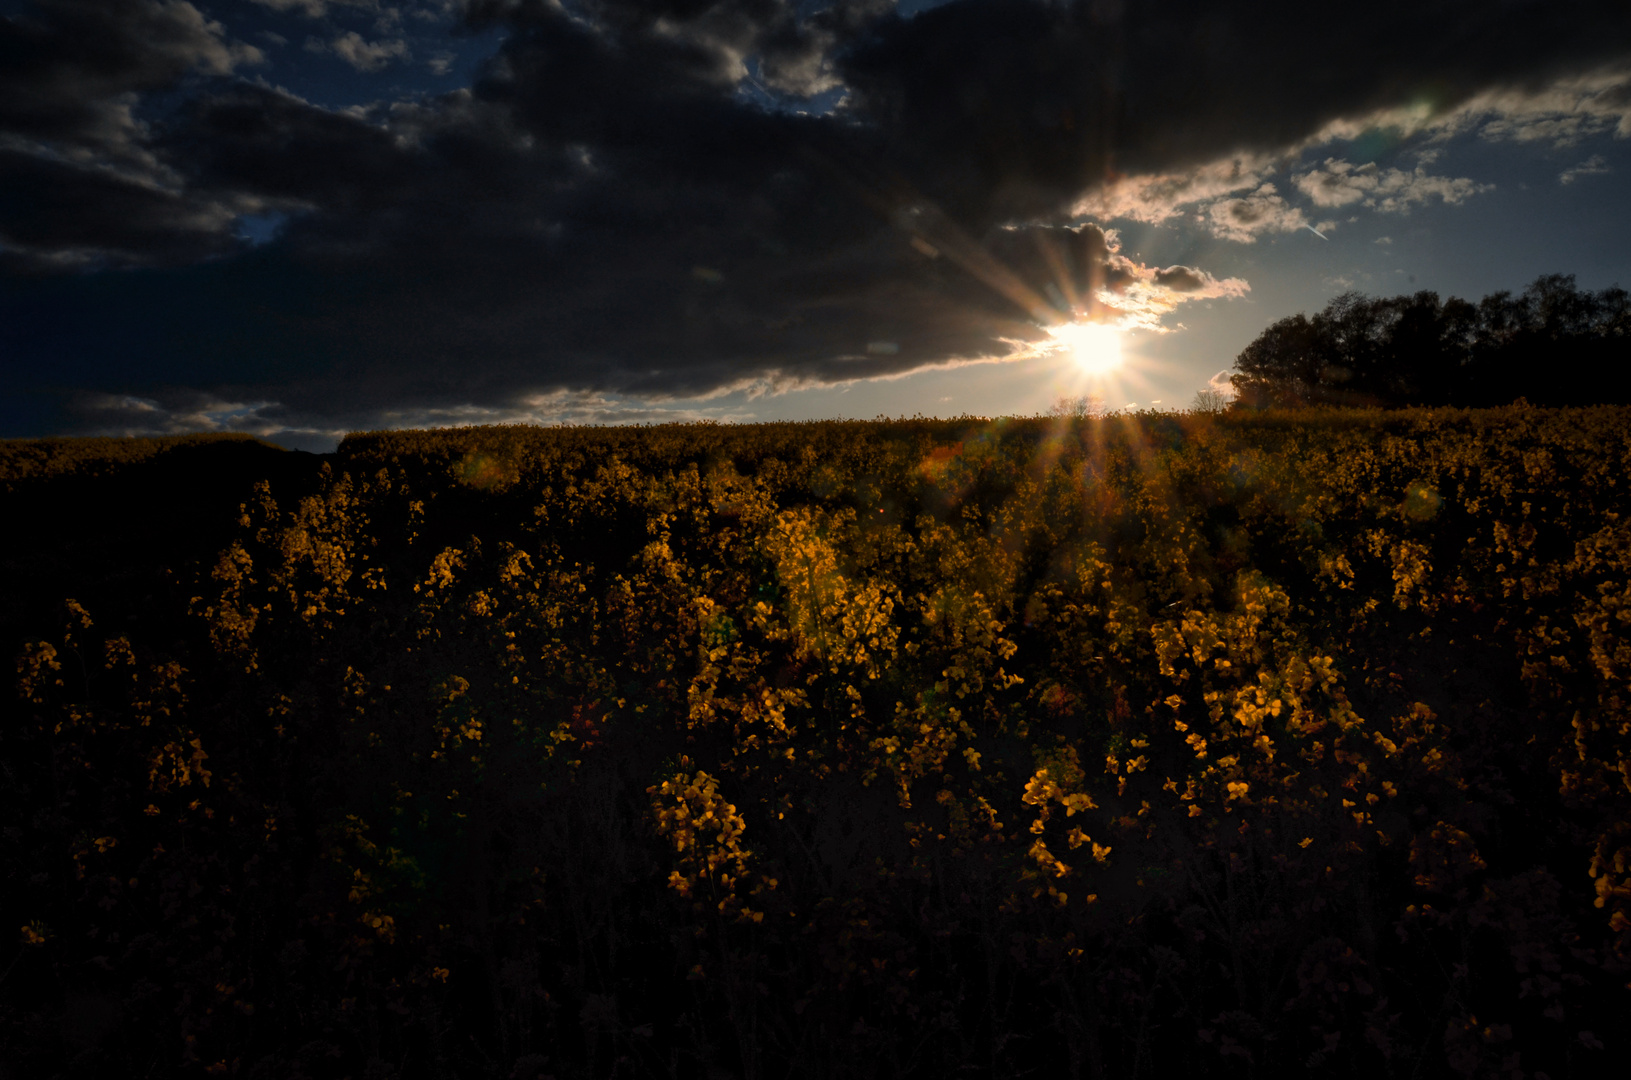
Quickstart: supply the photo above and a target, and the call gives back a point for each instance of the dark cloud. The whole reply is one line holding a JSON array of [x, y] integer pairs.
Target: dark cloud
[[80, 185], [1016, 108], [69, 68], [272, 145], [71, 217], [663, 198], [1182, 279]]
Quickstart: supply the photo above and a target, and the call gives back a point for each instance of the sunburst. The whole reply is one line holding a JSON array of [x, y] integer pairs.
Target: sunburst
[[1096, 346]]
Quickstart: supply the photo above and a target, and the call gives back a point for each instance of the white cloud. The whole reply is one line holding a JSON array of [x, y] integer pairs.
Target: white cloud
[[1244, 219], [1236, 203], [127, 414], [1339, 182], [1229, 191], [593, 407], [1592, 166], [1141, 296], [368, 55], [1157, 197], [1562, 112]]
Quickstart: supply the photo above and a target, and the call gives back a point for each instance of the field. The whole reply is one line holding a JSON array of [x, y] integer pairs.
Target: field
[[1258, 745]]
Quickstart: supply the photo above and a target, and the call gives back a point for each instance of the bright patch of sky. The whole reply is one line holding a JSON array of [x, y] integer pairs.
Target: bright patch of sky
[[1528, 222], [1539, 209]]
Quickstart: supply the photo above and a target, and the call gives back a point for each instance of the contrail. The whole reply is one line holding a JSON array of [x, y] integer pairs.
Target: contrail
[[1317, 233]]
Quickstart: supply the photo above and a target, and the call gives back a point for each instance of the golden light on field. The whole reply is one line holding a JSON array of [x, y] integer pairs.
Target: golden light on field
[[1097, 346]]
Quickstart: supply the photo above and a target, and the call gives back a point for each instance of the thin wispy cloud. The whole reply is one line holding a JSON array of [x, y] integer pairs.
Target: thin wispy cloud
[[1341, 183], [364, 55], [1592, 166]]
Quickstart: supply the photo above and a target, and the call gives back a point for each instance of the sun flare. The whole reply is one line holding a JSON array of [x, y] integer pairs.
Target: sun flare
[[1096, 346]]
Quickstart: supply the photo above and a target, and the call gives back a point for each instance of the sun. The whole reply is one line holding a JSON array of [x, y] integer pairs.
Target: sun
[[1097, 346]]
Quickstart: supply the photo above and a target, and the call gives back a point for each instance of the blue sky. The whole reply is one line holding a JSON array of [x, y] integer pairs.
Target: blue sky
[[302, 217]]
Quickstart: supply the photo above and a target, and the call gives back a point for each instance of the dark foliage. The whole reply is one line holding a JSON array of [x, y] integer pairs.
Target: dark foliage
[[1553, 344], [1255, 745]]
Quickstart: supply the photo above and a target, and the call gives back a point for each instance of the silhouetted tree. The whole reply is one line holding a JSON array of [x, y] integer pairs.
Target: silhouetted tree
[[1084, 405], [1210, 401], [1553, 344]]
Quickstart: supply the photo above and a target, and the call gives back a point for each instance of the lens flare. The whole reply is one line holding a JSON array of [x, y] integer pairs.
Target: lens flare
[[1097, 346]]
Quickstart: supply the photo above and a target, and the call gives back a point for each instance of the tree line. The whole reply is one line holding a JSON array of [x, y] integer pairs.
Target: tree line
[[1552, 344]]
